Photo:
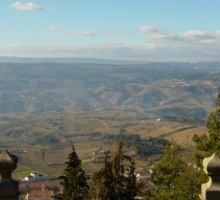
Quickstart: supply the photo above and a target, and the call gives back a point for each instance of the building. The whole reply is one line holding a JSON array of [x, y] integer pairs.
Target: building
[[38, 192], [34, 177]]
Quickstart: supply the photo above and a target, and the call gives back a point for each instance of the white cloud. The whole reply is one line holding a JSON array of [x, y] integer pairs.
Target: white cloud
[[156, 51], [148, 29], [217, 33], [110, 32], [26, 6], [82, 33], [53, 28], [196, 34], [193, 45]]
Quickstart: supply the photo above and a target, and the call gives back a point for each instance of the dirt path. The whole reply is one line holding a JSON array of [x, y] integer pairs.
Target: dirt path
[[104, 124], [4, 122]]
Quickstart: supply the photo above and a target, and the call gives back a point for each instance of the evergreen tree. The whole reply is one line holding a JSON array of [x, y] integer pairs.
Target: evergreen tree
[[124, 176], [132, 186], [187, 184], [169, 167], [209, 143], [174, 178], [74, 181], [116, 180]]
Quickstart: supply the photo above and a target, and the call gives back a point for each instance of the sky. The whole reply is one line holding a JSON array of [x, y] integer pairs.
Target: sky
[[145, 30]]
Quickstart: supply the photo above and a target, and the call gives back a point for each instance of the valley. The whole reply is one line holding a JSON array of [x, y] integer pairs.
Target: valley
[[45, 108]]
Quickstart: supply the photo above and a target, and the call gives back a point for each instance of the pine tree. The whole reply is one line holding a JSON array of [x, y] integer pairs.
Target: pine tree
[[102, 186], [74, 181], [209, 143], [173, 177], [187, 184], [116, 180], [123, 168], [132, 186], [169, 167]]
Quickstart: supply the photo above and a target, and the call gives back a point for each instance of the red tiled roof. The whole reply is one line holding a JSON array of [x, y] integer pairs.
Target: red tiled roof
[[41, 193], [31, 184]]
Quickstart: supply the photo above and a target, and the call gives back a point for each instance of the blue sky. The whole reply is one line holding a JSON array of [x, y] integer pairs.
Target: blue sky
[[149, 30]]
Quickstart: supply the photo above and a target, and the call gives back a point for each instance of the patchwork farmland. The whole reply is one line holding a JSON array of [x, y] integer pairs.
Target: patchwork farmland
[[85, 130]]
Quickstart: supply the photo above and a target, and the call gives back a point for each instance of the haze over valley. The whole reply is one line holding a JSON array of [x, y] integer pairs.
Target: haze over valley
[[162, 88]]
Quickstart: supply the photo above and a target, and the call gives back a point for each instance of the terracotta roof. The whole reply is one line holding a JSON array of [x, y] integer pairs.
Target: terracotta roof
[[31, 184], [35, 185], [38, 190], [41, 193]]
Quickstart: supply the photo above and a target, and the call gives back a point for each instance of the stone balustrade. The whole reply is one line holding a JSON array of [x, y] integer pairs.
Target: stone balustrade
[[9, 188], [211, 189]]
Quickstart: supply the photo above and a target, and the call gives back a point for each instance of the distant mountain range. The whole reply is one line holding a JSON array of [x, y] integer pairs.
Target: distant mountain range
[[170, 88], [66, 60]]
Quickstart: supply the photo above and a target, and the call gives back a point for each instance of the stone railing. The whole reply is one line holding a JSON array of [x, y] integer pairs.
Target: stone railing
[[9, 188], [211, 189]]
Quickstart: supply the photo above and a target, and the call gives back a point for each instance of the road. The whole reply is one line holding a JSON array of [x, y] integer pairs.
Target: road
[[104, 124]]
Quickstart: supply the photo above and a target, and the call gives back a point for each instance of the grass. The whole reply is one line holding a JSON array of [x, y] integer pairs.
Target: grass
[[21, 174], [40, 147], [33, 158], [87, 167]]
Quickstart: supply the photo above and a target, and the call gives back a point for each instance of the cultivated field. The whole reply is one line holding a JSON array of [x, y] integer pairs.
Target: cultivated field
[[85, 130]]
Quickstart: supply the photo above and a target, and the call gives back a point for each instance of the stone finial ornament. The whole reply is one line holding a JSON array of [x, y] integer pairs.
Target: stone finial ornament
[[211, 189], [9, 189]]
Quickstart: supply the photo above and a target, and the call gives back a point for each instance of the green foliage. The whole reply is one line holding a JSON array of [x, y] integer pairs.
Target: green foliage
[[185, 120], [169, 167], [174, 178], [191, 113], [116, 180], [8, 133], [144, 147], [15, 132], [187, 184], [209, 143], [74, 180], [46, 140]]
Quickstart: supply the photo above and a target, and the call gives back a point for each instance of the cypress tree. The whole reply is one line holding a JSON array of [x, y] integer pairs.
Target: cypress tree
[[74, 180]]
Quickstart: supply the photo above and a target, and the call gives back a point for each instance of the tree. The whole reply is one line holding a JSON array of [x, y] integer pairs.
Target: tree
[[74, 180], [187, 184], [173, 177], [169, 167], [124, 174], [116, 180], [209, 143]]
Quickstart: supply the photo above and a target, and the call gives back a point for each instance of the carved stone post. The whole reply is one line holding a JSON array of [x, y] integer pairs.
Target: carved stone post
[[9, 189], [211, 189]]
